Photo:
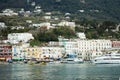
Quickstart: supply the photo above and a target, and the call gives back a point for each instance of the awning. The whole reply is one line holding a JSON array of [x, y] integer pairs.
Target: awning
[[2, 58], [17, 58]]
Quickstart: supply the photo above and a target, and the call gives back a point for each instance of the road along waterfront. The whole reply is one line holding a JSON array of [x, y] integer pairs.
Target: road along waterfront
[[85, 71]]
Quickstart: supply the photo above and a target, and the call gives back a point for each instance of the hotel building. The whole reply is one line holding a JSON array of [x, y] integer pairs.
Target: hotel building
[[85, 49]]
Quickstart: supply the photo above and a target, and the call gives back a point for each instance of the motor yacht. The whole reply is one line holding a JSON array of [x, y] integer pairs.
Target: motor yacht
[[113, 58]]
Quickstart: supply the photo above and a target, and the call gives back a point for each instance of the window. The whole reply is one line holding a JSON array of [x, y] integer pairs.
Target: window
[[32, 53], [32, 49]]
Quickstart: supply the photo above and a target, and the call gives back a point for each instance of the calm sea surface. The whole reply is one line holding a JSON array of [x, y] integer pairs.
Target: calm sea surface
[[84, 71]]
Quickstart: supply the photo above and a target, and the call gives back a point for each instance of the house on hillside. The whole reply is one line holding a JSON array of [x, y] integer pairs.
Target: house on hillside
[[2, 25], [9, 12], [15, 38], [69, 24]]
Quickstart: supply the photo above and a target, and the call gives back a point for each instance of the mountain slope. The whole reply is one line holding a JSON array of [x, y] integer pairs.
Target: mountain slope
[[96, 9]]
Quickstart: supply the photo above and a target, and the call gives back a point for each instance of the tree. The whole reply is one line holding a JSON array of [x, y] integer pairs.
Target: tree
[[64, 31]]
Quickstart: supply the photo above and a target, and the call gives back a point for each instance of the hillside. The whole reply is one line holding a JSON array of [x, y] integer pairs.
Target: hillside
[[93, 9]]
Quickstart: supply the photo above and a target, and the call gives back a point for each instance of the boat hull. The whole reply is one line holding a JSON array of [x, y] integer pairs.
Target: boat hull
[[72, 61], [107, 62]]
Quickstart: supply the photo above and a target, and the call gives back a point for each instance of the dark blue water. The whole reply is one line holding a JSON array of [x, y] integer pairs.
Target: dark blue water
[[59, 72]]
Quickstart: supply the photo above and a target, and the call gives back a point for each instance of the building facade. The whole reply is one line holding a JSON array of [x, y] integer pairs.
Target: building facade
[[81, 35], [15, 38], [33, 52], [92, 48], [19, 52], [5, 52], [52, 52], [85, 49], [116, 44], [71, 25], [2, 25]]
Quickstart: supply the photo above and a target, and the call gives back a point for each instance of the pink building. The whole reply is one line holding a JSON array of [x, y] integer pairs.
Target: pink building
[[5, 52], [116, 44]]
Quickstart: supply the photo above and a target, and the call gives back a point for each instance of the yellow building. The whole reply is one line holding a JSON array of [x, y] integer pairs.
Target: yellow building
[[33, 52]]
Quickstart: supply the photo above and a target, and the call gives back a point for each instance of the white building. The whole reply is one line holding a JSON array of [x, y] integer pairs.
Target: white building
[[17, 27], [81, 35], [35, 25], [69, 24], [44, 24], [37, 9], [67, 14], [48, 13], [9, 12], [15, 38], [2, 25], [29, 21], [85, 49], [66, 23], [27, 13], [47, 25], [52, 52], [71, 47], [18, 52], [81, 11], [47, 17], [93, 48], [53, 43]]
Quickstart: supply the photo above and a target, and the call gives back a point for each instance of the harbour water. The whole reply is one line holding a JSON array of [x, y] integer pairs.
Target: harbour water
[[85, 71]]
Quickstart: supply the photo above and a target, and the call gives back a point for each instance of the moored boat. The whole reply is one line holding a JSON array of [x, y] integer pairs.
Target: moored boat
[[113, 58], [72, 60]]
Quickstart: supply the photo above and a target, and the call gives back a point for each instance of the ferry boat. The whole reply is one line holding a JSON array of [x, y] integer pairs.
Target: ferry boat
[[113, 58]]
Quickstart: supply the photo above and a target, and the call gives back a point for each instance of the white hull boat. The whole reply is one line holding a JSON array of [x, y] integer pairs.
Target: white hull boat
[[72, 60], [113, 58]]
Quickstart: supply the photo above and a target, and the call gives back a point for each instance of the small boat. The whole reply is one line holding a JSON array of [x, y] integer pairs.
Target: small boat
[[55, 62], [43, 63], [25, 61], [72, 60], [37, 62], [9, 60], [113, 58]]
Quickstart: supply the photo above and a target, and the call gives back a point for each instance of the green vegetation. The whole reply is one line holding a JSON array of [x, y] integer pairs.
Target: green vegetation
[[19, 20], [52, 35], [98, 21], [94, 29], [35, 42], [93, 9], [42, 35]]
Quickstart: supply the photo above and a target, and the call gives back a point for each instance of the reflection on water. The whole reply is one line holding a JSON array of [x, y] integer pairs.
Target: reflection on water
[[59, 72]]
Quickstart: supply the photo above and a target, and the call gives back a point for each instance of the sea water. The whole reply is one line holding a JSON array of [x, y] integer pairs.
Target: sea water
[[84, 71]]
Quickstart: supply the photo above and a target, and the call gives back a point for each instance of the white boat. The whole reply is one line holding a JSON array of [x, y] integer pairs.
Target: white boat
[[54, 62], [113, 58], [72, 60]]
